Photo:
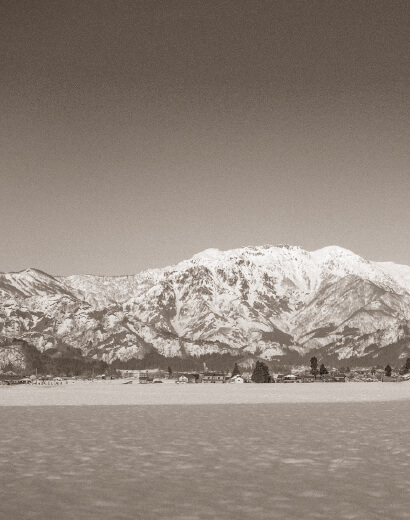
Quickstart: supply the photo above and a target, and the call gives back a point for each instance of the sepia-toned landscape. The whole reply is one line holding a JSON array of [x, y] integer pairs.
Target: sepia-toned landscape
[[204, 260]]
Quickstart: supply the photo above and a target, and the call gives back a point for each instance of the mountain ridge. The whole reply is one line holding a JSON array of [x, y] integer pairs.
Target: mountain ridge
[[272, 301]]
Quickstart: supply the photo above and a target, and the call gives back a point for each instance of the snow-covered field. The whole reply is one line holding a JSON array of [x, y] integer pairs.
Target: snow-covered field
[[314, 459], [118, 393]]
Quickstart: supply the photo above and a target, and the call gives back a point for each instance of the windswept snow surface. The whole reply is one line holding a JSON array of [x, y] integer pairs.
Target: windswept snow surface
[[399, 273]]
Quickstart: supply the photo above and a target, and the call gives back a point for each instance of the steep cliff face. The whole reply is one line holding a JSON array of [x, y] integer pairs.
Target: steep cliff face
[[274, 301]]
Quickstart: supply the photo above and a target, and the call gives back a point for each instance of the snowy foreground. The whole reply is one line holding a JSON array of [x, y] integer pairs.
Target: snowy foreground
[[118, 393]]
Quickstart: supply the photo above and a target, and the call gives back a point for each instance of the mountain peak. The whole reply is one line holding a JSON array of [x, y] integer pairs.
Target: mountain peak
[[208, 254], [270, 300], [33, 271], [288, 246], [213, 254], [335, 250]]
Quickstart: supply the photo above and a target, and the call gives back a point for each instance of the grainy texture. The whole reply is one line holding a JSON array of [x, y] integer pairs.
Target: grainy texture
[[259, 461]]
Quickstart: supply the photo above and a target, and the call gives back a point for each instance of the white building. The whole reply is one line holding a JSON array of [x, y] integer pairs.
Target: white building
[[290, 378], [236, 379]]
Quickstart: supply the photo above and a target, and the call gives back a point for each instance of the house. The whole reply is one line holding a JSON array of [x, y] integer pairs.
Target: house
[[214, 378], [290, 378], [126, 374], [145, 377], [334, 378], [189, 378], [307, 378], [236, 379]]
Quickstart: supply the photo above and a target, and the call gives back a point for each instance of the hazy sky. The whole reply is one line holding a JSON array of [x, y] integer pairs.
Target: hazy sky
[[137, 133]]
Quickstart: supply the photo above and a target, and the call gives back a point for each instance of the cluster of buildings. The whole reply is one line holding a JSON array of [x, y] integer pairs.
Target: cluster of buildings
[[155, 375], [298, 376]]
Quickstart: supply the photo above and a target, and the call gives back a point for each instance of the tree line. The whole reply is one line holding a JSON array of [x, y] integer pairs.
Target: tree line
[[68, 361], [204, 363], [405, 369]]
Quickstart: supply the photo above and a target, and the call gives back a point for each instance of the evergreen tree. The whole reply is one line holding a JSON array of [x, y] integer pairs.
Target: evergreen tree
[[267, 376], [313, 366], [257, 374], [387, 371], [236, 371], [323, 370], [261, 373]]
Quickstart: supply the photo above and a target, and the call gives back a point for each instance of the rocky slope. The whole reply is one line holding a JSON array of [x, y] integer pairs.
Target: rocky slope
[[277, 302]]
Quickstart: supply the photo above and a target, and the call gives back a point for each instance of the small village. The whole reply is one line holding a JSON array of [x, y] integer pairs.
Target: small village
[[333, 376], [259, 374]]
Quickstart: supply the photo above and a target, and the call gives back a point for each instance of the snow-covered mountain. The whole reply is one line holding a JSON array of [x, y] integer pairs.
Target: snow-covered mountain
[[399, 273], [276, 302]]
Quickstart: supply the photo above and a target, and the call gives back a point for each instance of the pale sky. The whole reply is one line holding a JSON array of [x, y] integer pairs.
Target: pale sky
[[135, 134]]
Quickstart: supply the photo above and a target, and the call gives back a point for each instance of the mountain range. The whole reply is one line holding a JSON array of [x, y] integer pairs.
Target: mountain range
[[279, 303]]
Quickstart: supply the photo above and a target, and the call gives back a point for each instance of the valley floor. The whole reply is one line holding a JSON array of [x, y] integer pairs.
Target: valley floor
[[118, 393]]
